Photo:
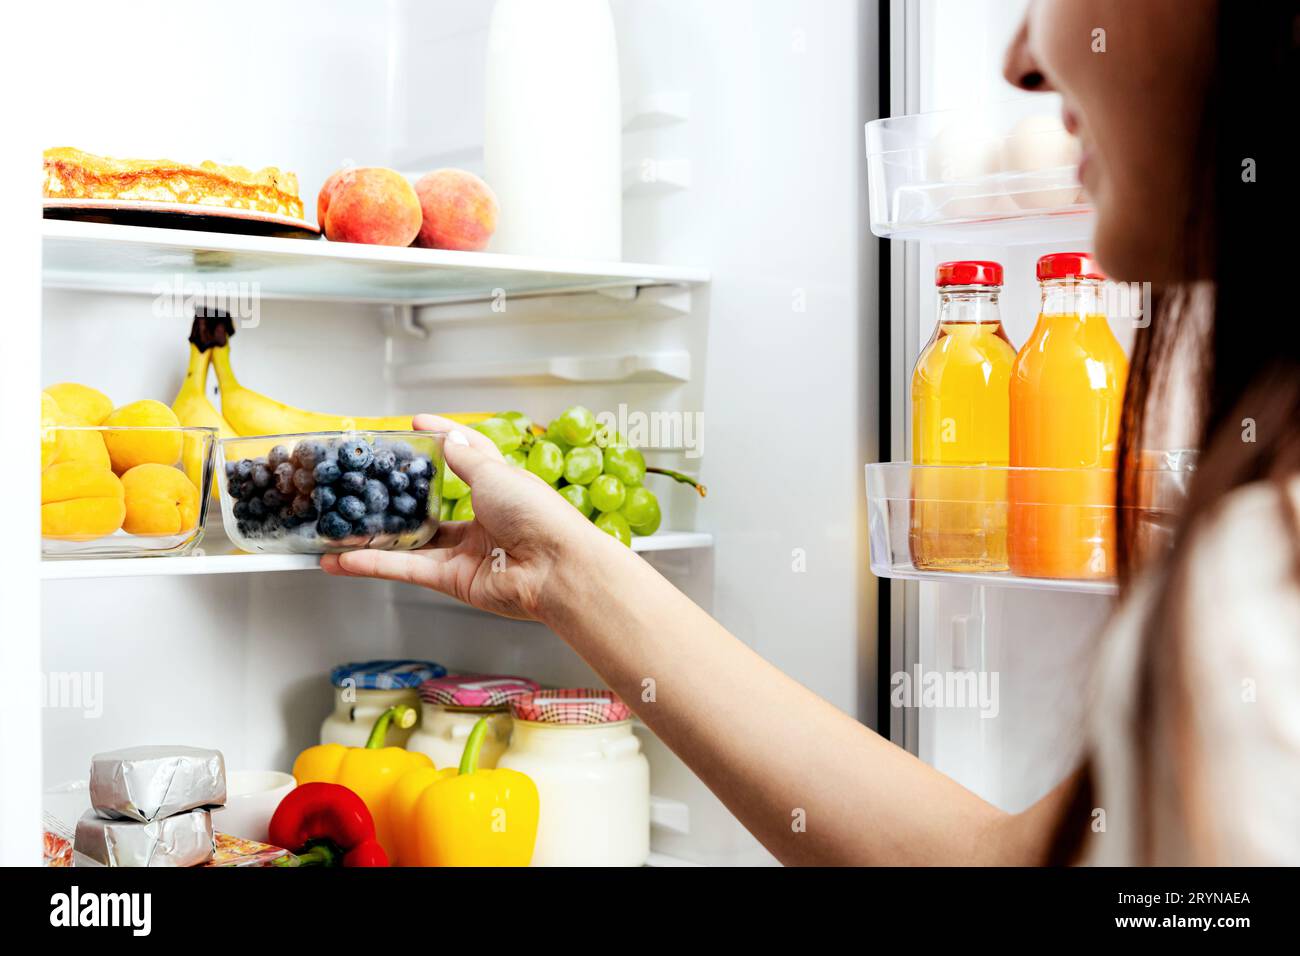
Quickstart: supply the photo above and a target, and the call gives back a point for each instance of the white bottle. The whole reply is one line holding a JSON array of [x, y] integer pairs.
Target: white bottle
[[553, 129]]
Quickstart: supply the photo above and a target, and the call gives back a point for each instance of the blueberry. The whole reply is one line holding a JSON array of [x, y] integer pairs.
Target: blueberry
[[305, 508], [277, 456], [352, 482], [323, 498], [383, 462], [284, 477], [351, 507], [355, 456], [327, 472], [244, 469], [304, 480], [413, 523], [261, 475], [308, 453], [369, 526], [240, 510], [230, 470], [256, 509], [420, 488], [334, 525], [375, 496], [273, 499], [419, 468], [398, 481], [394, 524], [403, 504], [402, 451], [248, 490]]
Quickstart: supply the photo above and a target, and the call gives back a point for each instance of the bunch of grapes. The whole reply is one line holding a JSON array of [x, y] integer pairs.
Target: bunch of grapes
[[593, 469]]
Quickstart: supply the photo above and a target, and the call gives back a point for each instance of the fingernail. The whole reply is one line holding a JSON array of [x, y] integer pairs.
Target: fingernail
[[458, 438]]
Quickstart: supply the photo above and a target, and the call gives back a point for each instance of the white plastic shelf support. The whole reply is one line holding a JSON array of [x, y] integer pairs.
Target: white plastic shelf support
[[672, 366]]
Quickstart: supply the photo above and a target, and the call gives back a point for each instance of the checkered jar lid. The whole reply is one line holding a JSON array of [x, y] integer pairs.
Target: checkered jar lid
[[478, 691], [385, 675], [571, 705]]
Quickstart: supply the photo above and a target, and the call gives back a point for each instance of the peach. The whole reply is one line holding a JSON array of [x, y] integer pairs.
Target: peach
[[369, 204], [459, 209], [159, 501], [80, 501]]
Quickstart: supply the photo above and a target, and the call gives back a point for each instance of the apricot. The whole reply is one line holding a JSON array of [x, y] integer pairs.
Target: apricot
[[81, 404], [80, 501], [52, 437], [459, 210], [160, 500], [151, 444], [369, 204]]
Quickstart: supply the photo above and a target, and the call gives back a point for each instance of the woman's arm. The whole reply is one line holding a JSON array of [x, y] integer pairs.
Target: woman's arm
[[812, 784]]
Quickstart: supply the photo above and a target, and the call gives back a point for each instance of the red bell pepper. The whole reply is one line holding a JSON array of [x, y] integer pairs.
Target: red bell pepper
[[325, 824]]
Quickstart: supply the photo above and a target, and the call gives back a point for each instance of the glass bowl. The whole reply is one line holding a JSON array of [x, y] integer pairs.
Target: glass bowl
[[156, 476], [328, 492]]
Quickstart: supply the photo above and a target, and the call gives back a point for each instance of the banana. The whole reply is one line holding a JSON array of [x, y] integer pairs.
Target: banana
[[251, 413], [192, 407]]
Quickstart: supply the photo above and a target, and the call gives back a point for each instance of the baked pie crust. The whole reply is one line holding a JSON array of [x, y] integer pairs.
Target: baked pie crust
[[73, 174]]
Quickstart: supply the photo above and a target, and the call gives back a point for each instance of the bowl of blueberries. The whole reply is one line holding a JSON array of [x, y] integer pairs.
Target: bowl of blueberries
[[326, 492]]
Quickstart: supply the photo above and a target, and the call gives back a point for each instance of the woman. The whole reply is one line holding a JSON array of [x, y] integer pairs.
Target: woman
[[1192, 754]]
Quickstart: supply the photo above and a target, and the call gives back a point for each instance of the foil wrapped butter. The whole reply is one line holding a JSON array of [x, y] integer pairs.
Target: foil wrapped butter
[[148, 783], [181, 840]]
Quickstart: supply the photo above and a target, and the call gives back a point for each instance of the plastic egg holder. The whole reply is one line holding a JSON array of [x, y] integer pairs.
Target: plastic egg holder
[[328, 492]]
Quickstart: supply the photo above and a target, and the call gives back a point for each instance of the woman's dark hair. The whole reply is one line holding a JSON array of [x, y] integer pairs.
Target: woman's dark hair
[[1240, 213]]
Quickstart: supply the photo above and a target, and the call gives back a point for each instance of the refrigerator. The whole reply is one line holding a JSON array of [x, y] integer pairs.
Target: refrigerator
[[751, 298]]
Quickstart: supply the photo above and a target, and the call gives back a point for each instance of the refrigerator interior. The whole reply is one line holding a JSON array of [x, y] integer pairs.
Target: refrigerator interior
[[765, 106]]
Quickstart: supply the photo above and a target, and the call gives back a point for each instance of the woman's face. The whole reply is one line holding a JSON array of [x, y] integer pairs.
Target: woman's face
[[1133, 75]]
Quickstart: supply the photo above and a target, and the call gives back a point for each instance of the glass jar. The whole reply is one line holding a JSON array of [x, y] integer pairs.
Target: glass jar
[[365, 689], [450, 706], [593, 781]]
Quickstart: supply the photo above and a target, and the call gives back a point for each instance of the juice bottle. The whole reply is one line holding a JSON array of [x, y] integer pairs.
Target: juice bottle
[[960, 418], [1067, 394]]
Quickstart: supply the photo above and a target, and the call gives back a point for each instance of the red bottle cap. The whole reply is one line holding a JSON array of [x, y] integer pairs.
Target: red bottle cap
[[968, 272], [1068, 265]]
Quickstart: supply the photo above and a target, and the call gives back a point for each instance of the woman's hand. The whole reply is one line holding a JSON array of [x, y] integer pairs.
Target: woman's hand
[[507, 560]]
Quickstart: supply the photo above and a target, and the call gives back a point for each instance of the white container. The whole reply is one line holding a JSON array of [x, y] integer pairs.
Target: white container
[[442, 734], [553, 143], [355, 713], [593, 783], [251, 799]]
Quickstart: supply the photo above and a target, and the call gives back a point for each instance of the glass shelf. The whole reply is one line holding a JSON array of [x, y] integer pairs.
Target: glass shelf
[[962, 524], [113, 258]]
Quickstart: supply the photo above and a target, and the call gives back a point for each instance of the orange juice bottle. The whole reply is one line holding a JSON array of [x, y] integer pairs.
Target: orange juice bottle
[[960, 419], [1067, 394]]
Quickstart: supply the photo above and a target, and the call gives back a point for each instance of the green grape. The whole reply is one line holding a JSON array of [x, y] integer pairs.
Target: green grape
[[607, 493], [452, 485], [606, 436], [641, 509], [464, 510], [576, 425], [502, 433], [577, 496], [445, 509], [626, 464], [523, 424], [615, 525], [553, 436], [546, 461], [517, 458], [582, 465]]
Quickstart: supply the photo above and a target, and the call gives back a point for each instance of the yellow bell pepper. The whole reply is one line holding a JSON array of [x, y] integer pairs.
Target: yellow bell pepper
[[370, 772], [463, 816]]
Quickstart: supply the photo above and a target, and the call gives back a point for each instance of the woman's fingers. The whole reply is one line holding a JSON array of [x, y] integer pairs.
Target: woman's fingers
[[424, 568], [467, 460], [476, 439]]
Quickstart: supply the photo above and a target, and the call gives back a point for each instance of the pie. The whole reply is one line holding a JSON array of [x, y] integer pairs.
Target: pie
[[72, 174]]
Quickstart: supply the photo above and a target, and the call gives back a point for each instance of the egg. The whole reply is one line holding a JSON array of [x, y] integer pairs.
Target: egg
[[1045, 159]]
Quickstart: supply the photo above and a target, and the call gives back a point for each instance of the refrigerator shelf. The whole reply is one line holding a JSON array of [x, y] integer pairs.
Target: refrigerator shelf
[[969, 514], [1004, 174], [219, 556], [101, 257]]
